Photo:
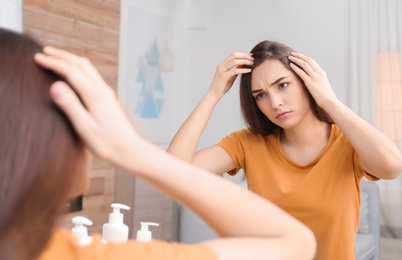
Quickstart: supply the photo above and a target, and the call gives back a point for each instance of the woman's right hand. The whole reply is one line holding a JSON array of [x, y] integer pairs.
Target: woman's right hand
[[227, 71], [185, 142]]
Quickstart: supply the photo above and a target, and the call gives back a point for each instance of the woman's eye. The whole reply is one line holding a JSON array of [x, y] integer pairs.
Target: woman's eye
[[259, 96], [283, 85]]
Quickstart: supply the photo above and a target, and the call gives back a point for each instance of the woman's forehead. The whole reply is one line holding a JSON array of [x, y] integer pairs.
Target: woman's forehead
[[269, 71]]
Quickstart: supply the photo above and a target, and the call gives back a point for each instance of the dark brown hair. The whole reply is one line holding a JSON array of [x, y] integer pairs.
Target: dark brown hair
[[257, 122], [41, 157]]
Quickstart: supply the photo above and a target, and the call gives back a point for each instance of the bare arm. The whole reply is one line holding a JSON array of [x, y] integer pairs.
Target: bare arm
[[378, 155], [185, 142], [108, 132]]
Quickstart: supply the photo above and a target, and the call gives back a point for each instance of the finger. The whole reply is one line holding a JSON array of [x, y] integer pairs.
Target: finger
[[300, 72], [302, 65], [83, 62], [310, 61], [238, 71], [59, 53], [241, 55], [68, 66], [236, 63], [236, 59], [70, 104], [67, 69]]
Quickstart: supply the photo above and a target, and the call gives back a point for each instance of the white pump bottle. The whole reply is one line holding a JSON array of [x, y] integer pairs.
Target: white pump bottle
[[115, 230], [80, 231], [144, 235]]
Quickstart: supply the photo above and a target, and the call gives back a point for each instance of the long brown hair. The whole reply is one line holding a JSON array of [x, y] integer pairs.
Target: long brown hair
[[40, 154], [257, 122]]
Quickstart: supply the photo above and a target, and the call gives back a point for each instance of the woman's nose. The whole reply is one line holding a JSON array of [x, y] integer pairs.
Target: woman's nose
[[276, 101]]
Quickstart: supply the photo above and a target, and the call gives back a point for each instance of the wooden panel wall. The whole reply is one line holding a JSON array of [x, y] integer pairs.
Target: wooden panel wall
[[89, 28]]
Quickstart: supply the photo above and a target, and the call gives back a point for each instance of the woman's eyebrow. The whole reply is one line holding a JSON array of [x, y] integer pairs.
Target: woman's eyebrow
[[273, 83], [278, 80], [256, 90]]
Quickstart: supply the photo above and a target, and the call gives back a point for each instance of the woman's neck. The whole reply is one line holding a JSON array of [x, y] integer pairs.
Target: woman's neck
[[304, 145], [308, 133]]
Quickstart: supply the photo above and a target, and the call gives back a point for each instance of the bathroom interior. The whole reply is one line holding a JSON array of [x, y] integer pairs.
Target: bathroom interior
[[121, 37]]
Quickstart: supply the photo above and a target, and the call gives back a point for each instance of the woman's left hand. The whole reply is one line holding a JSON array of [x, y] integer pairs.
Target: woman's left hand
[[90, 104], [314, 77]]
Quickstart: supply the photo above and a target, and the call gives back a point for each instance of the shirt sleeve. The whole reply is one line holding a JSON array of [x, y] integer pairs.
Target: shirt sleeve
[[233, 147], [360, 171], [63, 246]]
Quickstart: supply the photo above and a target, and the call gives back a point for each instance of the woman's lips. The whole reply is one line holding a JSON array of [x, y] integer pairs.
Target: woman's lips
[[283, 115]]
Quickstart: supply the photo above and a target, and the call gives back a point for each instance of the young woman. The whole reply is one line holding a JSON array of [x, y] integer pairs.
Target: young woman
[[44, 163], [302, 149]]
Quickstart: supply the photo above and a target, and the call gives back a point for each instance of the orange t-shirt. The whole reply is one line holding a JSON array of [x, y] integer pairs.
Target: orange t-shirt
[[63, 245], [324, 194]]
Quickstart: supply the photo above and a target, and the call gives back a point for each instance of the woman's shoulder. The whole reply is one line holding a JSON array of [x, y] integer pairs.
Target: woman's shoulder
[[338, 137], [248, 134], [243, 133], [246, 139], [63, 245], [336, 132]]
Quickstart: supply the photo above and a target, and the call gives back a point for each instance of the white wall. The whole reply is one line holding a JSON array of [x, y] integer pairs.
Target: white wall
[[313, 27], [11, 14]]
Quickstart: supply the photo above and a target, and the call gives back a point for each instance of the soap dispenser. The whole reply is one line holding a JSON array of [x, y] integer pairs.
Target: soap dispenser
[[80, 231], [115, 230], [144, 235]]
